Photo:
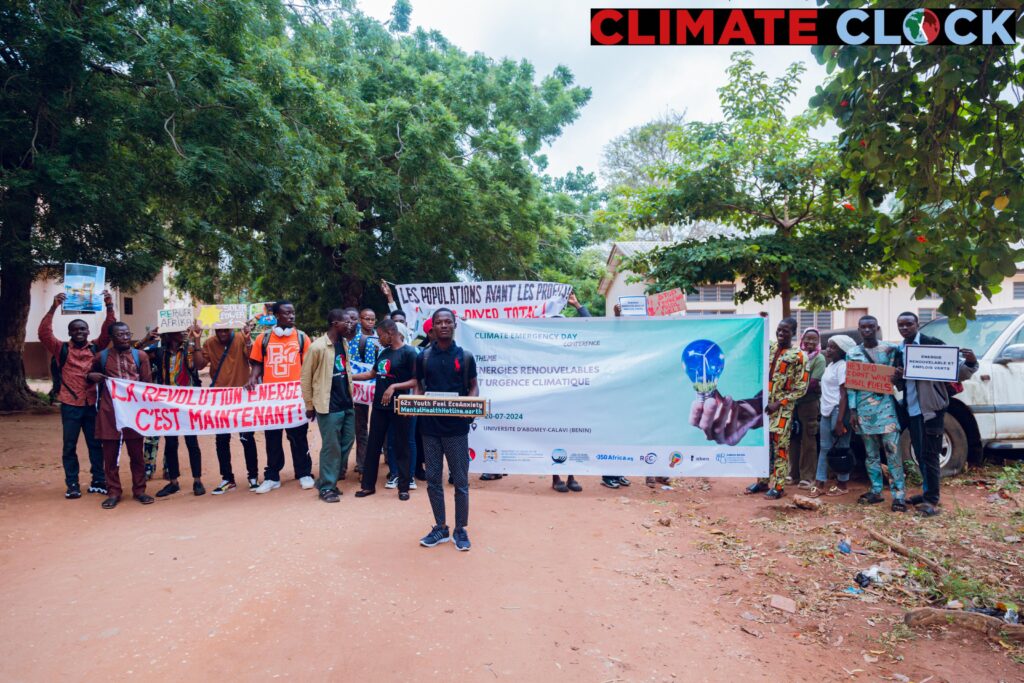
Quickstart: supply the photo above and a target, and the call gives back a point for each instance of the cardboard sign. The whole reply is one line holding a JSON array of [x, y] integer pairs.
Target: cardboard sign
[[869, 377], [457, 406], [633, 305], [83, 288], [223, 317], [666, 303], [931, 363], [174, 319]]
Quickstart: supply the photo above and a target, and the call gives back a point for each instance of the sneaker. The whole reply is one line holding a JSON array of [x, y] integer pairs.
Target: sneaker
[[98, 487], [623, 481], [330, 496], [490, 477], [870, 498], [74, 491], [412, 484], [461, 540], [610, 482], [267, 486], [254, 483], [439, 534], [306, 483], [168, 490], [224, 487], [392, 483]]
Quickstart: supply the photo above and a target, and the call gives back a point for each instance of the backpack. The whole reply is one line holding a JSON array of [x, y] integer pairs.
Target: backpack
[[57, 368], [266, 342], [462, 358], [361, 349]]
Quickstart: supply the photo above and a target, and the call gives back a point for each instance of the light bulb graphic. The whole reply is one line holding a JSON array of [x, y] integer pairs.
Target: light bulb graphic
[[676, 457], [704, 362]]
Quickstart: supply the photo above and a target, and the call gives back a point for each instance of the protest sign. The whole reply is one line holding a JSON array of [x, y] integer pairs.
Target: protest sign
[[488, 300], [869, 377], [595, 396], [159, 410], [262, 314], [442, 406], [174, 319], [666, 303], [362, 392], [83, 288], [633, 306], [931, 363], [223, 316]]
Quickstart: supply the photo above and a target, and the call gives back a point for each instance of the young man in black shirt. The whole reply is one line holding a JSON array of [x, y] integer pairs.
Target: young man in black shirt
[[327, 392], [445, 367], [395, 372]]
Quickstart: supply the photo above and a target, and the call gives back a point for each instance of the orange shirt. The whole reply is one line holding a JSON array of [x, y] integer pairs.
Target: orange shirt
[[283, 362]]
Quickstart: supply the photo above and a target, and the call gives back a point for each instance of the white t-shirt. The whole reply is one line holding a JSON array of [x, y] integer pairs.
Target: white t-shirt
[[835, 375]]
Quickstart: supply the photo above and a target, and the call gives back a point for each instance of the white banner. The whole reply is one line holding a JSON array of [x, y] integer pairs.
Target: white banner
[[621, 396], [482, 300], [362, 392], [158, 410]]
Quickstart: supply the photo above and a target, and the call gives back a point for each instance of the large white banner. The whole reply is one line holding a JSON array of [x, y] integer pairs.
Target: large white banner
[[486, 300], [617, 396], [158, 410]]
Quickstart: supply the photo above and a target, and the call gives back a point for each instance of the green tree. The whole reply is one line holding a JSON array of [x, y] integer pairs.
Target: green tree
[[762, 174], [942, 130]]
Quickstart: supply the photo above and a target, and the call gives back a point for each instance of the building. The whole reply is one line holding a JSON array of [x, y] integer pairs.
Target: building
[[138, 308], [884, 303]]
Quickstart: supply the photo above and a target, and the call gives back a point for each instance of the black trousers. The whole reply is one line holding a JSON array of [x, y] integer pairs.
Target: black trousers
[[195, 456], [380, 421], [456, 450], [252, 467], [301, 460], [362, 423], [926, 438]]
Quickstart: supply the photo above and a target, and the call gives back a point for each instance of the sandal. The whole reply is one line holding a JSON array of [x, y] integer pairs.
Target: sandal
[[836, 491], [813, 492], [805, 485]]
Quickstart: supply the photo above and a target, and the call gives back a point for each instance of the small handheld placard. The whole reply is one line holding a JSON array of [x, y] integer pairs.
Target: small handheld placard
[[443, 406]]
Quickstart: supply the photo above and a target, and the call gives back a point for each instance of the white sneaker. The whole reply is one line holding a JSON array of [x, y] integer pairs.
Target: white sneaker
[[306, 483], [267, 486], [412, 484], [392, 483]]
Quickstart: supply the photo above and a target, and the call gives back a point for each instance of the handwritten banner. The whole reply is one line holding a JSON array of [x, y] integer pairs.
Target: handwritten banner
[[158, 410], [869, 377], [666, 303], [482, 300], [174, 319], [223, 317]]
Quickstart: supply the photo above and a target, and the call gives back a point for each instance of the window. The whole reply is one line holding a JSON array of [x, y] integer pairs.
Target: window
[[713, 293], [129, 305], [931, 296], [925, 315], [693, 313], [1018, 290], [819, 319]]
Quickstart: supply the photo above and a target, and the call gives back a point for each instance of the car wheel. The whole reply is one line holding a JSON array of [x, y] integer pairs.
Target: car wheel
[[953, 451]]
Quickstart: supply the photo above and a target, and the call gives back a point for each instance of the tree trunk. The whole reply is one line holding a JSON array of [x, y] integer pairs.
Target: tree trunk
[[16, 274], [786, 293]]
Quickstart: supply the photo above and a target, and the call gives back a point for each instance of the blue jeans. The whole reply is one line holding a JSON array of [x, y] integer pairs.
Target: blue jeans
[[392, 457], [75, 419], [828, 439]]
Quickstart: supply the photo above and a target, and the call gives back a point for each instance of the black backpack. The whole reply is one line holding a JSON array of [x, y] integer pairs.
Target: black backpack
[[57, 368]]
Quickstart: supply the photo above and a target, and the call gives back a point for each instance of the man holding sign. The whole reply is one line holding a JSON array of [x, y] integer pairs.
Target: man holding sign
[[925, 403], [873, 416], [226, 352]]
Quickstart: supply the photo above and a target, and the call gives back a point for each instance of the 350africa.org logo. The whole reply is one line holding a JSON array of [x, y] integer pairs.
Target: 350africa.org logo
[[921, 26]]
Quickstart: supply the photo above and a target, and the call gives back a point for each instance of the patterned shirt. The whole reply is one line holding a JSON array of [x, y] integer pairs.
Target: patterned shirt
[[372, 348], [876, 412]]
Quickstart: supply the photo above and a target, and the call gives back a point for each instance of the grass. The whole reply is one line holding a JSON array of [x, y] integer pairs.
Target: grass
[[1010, 478]]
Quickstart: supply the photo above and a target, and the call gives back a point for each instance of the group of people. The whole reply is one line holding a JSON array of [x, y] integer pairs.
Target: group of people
[[807, 391], [416, 446]]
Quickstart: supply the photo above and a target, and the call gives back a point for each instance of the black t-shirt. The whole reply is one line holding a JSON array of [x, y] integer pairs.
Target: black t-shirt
[[341, 398], [444, 371], [393, 367]]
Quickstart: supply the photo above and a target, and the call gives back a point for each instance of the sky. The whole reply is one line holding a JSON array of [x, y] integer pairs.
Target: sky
[[630, 85]]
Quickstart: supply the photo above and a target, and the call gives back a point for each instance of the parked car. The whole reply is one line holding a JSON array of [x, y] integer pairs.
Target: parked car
[[989, 414]]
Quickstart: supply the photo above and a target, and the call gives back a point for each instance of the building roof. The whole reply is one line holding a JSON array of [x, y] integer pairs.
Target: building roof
[[621, 250]]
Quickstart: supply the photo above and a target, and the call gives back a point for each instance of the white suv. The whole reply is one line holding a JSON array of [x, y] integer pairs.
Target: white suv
[[988, 415]]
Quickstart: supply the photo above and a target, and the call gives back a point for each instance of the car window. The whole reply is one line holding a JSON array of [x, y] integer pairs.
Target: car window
[[979, 335], [1017, 338]]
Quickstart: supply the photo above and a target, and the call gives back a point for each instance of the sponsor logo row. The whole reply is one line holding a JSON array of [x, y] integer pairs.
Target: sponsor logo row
[[560, 456]]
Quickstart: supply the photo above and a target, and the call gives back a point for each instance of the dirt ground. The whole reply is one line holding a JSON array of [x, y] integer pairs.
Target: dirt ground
[[629, 585]]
